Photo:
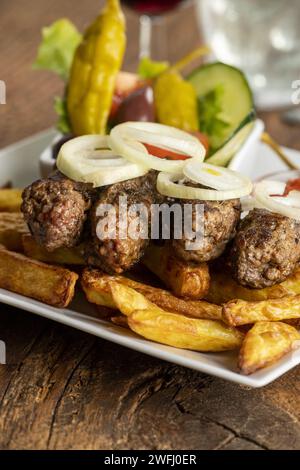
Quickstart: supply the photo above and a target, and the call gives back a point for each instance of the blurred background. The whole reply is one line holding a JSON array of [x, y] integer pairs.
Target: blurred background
[[260, 36]]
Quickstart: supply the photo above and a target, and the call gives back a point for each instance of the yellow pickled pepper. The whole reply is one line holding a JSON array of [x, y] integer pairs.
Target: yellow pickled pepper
[[96, 64], [176, 101]]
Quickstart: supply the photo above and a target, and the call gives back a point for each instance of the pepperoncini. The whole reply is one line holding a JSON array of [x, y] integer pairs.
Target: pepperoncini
[[96, 64], [176, 101]]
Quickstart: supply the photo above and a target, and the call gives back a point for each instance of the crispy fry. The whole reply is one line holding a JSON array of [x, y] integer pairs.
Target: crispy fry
[[127, 300], [171, 328], [50, 284], [240, 312], [265, 344], [96, 286], [179, 331], [12, 228], [10, 200], [32, 249], [223, 288], [184, 279]]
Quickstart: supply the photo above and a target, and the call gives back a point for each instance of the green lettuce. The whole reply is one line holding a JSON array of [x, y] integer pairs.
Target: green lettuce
[[56, 51], [150, 69], [211, 120]]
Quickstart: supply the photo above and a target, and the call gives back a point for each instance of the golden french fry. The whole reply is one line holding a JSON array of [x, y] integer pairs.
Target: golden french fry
[[32, 249], [240, 312], [223, 288], [265, 344], [171, 328], [96, 286], [10, 200], [12, 228], [127, 300], [182, 278], [183, 332], [50, 284]]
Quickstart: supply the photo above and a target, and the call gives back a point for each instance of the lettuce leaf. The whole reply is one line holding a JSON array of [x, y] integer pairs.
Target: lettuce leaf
[[150, 69], [211, 120], [56, 51]]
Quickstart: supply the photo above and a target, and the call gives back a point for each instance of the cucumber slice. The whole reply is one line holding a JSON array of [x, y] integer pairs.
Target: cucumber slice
[[223, 156], [224, 98]]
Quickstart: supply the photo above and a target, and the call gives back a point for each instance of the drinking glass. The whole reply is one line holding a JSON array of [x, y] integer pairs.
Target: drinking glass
[[262, 37], [152, 13]]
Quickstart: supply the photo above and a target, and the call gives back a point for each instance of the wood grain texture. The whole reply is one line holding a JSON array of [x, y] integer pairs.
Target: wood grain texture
[[63, 389]]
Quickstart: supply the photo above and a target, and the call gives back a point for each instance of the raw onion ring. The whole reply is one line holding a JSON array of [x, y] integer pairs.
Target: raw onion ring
[[89, 159], [123, 137]]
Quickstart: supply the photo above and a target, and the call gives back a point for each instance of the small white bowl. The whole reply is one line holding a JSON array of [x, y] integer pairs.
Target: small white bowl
[[239, 161]]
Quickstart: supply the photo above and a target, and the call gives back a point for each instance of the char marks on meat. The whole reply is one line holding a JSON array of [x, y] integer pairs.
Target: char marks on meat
[[265, 250], [55, 210], [112, 253], [219, 227]]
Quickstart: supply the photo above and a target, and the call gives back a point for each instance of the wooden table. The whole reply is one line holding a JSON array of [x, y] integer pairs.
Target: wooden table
[[63, 389]]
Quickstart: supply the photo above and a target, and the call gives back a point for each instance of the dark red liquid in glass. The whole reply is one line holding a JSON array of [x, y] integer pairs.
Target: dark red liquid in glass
[[152, 7]]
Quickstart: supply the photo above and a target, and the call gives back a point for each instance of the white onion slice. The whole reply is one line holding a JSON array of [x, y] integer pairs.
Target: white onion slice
[[266, 194], [89, 159], [170, 184], [123, 137], [216, 177]]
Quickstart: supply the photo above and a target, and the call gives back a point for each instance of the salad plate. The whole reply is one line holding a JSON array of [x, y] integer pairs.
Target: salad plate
[[20, 165]]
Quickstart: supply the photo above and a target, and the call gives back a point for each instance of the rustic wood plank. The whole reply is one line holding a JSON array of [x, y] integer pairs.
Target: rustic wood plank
[[35, 389], [73, 391]]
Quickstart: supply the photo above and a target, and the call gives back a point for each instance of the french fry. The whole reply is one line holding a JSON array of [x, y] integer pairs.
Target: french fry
[[127, 300], [182, 278], [171, 328], [10, 200], [12, 228], [265, 344], [52, 285], [223, 288], [96, 286], [183, 332], [240, 312], [32, 249]]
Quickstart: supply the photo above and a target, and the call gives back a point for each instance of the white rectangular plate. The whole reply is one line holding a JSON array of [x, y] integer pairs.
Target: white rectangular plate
[[19, 163]]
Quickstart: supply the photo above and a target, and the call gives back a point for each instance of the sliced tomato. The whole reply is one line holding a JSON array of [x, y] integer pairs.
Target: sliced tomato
[[292, 185], [164, 153], [169, 154]]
